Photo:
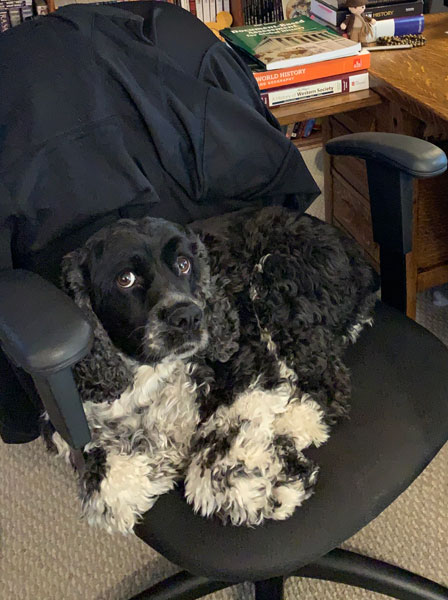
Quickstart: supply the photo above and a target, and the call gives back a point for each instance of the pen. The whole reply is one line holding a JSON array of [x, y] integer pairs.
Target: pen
[[395, 47]]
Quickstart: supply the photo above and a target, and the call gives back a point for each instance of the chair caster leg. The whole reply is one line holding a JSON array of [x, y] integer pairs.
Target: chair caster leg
[[269, 589], [361, 571], [182, 586]]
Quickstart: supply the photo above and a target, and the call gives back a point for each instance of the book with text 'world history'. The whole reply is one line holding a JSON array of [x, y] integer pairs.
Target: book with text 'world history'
[[290, 43]]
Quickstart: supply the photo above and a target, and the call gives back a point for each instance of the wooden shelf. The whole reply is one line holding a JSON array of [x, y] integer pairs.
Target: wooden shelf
[[312, 141], [323, 107]]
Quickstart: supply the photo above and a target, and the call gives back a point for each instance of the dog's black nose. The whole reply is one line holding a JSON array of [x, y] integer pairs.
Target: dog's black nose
[[184, 316]]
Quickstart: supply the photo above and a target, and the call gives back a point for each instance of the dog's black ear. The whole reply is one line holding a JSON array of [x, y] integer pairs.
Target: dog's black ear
[[103, 374], [75, 277]]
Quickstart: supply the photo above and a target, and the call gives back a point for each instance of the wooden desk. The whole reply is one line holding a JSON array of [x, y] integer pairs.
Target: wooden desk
[[413, 86]]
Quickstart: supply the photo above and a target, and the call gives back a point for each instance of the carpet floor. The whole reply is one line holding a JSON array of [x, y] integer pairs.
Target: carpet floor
[[47, 553]]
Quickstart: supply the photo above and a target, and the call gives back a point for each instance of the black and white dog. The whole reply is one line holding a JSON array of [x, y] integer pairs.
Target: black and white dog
[[217, 359]]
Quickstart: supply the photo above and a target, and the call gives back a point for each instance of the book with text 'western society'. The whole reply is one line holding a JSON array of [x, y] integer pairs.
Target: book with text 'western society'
[[339, 84], [290, 43]]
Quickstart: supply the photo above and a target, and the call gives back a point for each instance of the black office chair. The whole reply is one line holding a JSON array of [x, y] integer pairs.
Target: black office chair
[[399, 416]]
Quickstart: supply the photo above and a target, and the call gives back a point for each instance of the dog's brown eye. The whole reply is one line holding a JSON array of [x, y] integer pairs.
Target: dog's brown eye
[[126, 279], [183, 264]]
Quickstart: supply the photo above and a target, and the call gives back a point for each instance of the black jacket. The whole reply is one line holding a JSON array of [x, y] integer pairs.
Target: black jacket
[[105, 113]]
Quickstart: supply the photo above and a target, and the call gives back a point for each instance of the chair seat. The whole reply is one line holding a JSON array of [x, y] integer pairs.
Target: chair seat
[[398, 422]]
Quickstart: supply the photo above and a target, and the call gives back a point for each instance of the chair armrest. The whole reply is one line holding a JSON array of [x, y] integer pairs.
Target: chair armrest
[[411, 155], [392, 163], [41, 329], [43, 332]]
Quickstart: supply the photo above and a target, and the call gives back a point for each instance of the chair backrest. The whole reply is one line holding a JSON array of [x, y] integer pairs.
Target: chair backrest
[[148, 127]]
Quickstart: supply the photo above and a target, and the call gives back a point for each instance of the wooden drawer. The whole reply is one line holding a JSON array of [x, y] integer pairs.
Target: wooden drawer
[[352, 169], [432, 222], [358, 120], [350, 210]]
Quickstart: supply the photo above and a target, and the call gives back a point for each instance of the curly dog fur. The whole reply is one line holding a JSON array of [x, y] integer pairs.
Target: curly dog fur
[[228, 399]]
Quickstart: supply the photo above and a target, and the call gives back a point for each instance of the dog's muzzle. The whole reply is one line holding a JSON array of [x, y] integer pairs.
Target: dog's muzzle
[[175, 330]]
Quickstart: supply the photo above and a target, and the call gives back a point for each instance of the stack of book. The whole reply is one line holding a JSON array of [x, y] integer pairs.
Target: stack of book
[[393, 17], [299, 59], [13, 12]]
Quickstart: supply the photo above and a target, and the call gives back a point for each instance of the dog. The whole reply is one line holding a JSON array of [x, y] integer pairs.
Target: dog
[[217, 360]]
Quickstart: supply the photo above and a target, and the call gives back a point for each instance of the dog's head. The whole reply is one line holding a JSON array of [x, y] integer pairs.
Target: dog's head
[[146, 282]]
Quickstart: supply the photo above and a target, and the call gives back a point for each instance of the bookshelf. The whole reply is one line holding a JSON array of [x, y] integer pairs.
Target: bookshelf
[[236, 8]]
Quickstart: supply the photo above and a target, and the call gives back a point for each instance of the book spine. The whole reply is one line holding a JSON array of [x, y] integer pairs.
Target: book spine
[[339, 85], [5, 23], [327, 13], [226, 5], [338, 4], [395, 11], [301, 130], [193, 7], [185, 4], [289, 130], [403, 26], [15, 17], [329, 68], [199, 10], [206, 10], [295, 130], [309, 127], [27, 13], [212, 10], [41, 7]]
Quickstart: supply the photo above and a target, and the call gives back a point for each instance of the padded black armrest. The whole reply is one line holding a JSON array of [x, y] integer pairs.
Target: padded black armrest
[[392, 163], [411, 155], [41, 329], [43, 332]]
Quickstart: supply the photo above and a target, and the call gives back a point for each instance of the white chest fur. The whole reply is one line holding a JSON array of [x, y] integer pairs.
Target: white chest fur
[[158, 410]]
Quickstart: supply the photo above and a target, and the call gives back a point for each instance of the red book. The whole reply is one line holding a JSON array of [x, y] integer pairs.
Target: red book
[[328, 68]]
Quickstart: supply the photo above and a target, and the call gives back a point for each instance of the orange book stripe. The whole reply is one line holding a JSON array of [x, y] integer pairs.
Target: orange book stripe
[[281, 77]]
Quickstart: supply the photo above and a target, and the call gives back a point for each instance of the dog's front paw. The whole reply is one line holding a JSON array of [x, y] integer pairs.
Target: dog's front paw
[[250, 481], [238, 486], [127, 490]]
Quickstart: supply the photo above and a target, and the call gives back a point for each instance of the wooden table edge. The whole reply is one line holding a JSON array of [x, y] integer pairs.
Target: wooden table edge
[[324, 107]]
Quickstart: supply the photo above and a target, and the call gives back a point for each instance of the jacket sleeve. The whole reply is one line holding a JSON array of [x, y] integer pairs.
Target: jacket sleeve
[[245, 158]]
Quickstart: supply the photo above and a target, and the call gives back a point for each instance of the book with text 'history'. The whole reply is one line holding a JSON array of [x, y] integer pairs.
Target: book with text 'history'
[[282, 77], [290, 43], [380, 12], [340, 84]]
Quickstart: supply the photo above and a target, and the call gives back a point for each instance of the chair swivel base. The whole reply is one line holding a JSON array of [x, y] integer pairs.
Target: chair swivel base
[[341, 566]]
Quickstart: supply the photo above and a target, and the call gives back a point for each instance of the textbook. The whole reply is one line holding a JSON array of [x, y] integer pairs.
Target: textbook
[[290, 43], [340, 84], [328, 68]]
